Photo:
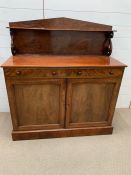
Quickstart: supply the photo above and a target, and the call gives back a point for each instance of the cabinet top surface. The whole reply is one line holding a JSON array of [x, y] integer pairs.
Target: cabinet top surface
[[61, 61], [60, 24]]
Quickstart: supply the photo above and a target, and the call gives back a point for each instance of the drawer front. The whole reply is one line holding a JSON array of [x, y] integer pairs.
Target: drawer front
[[63, 73]]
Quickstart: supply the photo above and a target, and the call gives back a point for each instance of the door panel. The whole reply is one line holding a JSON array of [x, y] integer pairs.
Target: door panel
[[39, 104], [88, 102]]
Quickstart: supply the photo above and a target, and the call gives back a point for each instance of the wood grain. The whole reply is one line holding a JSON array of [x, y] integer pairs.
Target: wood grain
[[61, 42], [63, 73], [61, 61], [38, 104], [88, 101], [59, 82], [60, 24], [41, 134], [61, 36]]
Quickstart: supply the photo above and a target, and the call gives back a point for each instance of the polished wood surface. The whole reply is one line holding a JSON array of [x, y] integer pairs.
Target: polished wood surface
[[95, 105], [64, 72], [40, 103], [61, 42], [83, 96], [61, 61], [60, 36], [32, 109], [60, 24], [59, 81], [70, 132]]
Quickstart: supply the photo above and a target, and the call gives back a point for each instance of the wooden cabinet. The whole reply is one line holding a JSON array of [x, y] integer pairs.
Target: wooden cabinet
[[61, 80], [62, 103], [58, 103]]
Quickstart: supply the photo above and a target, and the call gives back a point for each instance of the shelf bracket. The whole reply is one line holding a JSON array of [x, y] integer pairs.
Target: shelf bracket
[[13, 49], [108, 43]]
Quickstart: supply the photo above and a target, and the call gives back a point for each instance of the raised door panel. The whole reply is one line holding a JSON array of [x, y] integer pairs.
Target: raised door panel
[[38, 104], [90, 102]]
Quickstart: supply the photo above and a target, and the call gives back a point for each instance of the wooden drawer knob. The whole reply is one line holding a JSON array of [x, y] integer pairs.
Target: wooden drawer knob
[[18, 72], [53, 73], [111, 73], [79, 73]]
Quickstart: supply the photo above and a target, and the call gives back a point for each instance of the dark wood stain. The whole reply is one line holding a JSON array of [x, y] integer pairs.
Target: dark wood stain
[[54, 42], [60, 36], [83, 100], [59, 81], [40, 134], [60, 24]]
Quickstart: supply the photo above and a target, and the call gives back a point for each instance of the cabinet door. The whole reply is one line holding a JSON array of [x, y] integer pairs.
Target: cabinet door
[[91, 102], [37, 104]]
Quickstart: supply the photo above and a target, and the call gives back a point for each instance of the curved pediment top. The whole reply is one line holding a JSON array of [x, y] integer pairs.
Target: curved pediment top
[[60, 24]]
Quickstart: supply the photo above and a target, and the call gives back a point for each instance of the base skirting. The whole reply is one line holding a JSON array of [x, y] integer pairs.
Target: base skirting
[[56, 133]]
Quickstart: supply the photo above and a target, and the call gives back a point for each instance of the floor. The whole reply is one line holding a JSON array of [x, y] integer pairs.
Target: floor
[[91, 155]]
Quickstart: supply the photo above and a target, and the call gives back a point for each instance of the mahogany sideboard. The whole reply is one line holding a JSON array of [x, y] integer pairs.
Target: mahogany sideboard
[[61, 80]]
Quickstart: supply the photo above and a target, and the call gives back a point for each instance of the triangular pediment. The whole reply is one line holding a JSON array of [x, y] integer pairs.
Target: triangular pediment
[[60, 24]]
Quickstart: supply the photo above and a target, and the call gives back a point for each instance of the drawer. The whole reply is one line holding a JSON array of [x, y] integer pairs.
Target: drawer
[[63, 72]]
